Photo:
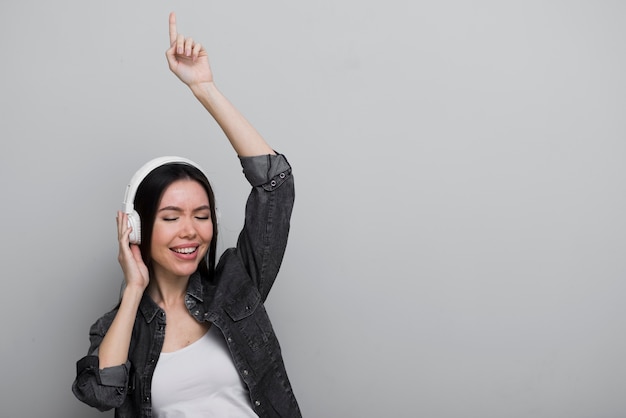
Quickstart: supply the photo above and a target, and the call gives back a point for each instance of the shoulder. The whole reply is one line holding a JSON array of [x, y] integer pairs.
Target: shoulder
[[230, 268], [231, 273]]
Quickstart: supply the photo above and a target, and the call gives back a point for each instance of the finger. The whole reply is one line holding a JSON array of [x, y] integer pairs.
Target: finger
[[119, 220], [188, 46], [173, 32], [180, 44], [196, 51], [123, 227], [122, 220]]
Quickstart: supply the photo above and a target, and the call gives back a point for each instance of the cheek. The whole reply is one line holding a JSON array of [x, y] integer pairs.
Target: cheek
[[161, 233], [207, 233]]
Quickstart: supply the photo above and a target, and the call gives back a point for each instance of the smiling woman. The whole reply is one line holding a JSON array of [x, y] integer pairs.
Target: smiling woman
[[190, 327], [167, 198]]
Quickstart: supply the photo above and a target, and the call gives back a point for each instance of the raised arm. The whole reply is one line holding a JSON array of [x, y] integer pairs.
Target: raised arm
[[189, 61]]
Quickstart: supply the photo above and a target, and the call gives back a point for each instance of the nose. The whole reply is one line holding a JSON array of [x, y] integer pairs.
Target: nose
[[187, 229]]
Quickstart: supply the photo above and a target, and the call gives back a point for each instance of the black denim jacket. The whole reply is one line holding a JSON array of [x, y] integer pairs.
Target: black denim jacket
[[233, 302]]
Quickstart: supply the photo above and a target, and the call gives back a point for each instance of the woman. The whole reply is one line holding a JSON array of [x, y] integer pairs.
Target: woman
[[190, 338]]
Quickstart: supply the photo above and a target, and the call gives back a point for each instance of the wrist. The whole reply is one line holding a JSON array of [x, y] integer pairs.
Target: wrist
[[132, 293], [203, 91]]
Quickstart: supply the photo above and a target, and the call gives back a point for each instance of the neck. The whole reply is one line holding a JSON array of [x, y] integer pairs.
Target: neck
[[168, 292]]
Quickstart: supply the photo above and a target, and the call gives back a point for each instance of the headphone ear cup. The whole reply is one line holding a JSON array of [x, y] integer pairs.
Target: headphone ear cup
[[135, 223]]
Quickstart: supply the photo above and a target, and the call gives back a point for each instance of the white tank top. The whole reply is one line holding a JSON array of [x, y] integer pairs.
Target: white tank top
[[200, 380]]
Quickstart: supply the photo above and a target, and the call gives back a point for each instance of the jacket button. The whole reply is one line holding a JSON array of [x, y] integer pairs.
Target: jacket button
[[230, 340], [273, 183], [281, 175], [257, 403], [245, 372]]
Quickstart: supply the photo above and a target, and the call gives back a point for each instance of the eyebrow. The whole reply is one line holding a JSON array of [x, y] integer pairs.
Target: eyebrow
[[177, 209]]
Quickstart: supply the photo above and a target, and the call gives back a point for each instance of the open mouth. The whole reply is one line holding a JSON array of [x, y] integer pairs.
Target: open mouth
[[186, 250]]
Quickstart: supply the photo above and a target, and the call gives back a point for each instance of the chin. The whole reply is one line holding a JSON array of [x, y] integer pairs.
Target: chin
[[178, 271], [187, 271]]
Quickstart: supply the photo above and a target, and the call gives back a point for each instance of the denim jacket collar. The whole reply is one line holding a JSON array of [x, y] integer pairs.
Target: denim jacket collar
[[194, 287]]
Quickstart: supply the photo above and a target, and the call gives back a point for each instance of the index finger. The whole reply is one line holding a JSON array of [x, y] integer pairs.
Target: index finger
[[173, 32]]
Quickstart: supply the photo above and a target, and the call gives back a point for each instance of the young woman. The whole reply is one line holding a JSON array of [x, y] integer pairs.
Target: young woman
[[191, 338]]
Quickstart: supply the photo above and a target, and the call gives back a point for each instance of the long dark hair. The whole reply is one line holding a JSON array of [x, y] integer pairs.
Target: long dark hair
[[146, 204]]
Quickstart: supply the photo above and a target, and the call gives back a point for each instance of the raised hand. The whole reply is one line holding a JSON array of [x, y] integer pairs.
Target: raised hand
[[186, 58], [190, 62]]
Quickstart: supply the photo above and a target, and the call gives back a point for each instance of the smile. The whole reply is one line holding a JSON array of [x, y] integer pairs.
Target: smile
[[188, 250]]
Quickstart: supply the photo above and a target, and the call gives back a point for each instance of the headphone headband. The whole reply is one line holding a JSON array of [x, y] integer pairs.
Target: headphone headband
[[147, 168]]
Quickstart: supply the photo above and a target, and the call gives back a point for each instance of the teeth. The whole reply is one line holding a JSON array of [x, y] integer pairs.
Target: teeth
[[185, 250]]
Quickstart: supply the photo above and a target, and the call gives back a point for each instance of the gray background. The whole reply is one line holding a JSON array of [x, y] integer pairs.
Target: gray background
[[458, 237]]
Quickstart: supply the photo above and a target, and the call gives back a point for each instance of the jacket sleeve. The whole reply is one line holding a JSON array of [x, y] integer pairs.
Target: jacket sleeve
[[263, 239], [101, 388]]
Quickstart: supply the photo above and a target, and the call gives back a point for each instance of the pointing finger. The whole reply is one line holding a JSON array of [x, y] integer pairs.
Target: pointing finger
[[173, 32]]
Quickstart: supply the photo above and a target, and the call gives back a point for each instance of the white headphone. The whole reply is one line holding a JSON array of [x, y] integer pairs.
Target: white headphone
[[129, 197]]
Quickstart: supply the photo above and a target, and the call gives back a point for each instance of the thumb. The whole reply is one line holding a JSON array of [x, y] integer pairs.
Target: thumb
[[170, 54]]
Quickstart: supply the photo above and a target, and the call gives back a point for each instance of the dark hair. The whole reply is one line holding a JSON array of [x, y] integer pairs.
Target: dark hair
[[146, 203]]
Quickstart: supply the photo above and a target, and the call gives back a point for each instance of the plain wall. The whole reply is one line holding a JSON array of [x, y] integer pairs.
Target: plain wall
[[457, 244]]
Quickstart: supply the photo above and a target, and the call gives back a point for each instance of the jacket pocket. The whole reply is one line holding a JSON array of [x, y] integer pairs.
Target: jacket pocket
[[250, 320], [243, 304]]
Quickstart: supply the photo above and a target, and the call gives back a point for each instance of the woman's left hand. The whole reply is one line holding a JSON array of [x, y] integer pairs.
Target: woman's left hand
[[187, 58]]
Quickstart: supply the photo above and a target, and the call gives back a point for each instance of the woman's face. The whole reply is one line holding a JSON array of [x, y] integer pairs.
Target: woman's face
[[182, 230]]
